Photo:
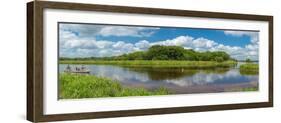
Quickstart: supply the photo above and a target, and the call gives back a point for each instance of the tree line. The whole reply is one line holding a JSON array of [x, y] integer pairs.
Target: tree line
[[158, 52]]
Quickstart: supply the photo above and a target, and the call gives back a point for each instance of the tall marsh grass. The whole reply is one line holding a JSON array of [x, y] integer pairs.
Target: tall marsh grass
[[249, 69], [77, 86]]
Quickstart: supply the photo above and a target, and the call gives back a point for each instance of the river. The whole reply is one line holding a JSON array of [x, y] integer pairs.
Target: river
[[177, 80]]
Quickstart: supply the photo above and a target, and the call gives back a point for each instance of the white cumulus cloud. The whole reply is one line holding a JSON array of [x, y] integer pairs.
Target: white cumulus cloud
[[251, 50], [126, 31], [84, 44], [142, 45], [90, 30]]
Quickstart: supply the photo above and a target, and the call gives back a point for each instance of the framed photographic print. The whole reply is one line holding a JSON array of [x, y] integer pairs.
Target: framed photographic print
[[97, 61]]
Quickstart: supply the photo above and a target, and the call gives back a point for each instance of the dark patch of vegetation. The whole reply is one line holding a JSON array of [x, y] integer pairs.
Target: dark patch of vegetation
[[248, 60]]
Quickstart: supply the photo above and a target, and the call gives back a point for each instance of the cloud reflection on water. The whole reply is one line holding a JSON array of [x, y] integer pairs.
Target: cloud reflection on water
[[178, 77]]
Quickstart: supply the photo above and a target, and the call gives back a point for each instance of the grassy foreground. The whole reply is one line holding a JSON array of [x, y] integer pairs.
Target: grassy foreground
[[249, 69], [247, 89], [76, 86], [156, 63], [250, 89]]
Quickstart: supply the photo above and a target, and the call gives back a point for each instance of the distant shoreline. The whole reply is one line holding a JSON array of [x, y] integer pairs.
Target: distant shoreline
[[162, 63]]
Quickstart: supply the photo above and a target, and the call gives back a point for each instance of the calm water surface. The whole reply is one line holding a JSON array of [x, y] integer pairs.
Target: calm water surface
[[177, 80]]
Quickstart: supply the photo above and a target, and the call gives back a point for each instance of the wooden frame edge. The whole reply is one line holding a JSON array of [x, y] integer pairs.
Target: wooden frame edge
[[30, 88], [142, 112], [270, 66], [35, 61]]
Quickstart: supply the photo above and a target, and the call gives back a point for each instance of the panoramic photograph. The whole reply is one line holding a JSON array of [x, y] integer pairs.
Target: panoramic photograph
[[103, 60]]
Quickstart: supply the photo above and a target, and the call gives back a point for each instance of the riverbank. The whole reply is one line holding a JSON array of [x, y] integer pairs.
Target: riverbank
[[77, 86], [156, 63]]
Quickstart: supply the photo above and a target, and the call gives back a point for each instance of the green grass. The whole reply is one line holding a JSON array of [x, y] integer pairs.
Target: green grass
[[242, 89], [249, 69], [156, 63], [250, 89], [77, 86]]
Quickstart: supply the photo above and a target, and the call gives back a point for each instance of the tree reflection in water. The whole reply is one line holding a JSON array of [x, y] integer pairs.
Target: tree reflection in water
[[169, 73]]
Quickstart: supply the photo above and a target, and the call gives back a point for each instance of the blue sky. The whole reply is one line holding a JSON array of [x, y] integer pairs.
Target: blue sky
[[87, 40]]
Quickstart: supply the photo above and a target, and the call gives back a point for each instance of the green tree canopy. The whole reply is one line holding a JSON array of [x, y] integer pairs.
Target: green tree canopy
[[248, 60], [158, 52]]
